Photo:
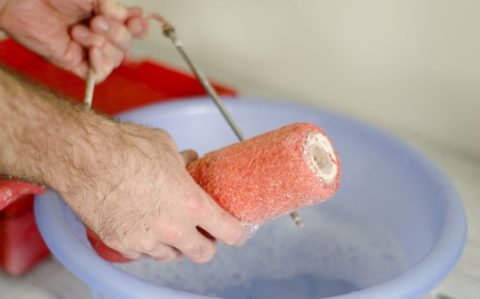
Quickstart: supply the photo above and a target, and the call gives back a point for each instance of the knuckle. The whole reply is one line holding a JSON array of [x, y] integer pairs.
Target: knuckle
[[167, 140], [115, 31], [145, 245], [66, 61], [194, 205], [119, 35], [173, 235], [99, 41]]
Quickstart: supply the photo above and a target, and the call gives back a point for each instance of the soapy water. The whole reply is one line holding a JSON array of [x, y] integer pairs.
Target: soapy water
[[299, 286], [333, 254]]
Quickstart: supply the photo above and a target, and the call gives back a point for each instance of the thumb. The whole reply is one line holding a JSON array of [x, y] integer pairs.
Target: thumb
[[189, 156]]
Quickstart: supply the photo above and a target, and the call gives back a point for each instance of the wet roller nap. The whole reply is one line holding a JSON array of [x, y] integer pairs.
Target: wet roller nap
[[271, 174], [264, 177]]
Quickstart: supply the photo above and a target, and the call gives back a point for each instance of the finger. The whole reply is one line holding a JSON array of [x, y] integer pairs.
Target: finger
[[138, 27], [221, 225], [73, 59], [115, 54], [133, 255], [118, 247], [104, 60], [112, 9], [101, 64], [197, 247], [189, 156], [113, 31], [80, 69], [87, 38], [164, 253]]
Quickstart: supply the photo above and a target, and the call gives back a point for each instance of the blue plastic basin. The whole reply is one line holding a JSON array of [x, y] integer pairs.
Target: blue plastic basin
[[394, 230]]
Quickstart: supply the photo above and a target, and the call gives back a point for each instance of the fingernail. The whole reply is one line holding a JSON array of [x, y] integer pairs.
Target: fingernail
[[101, 24]]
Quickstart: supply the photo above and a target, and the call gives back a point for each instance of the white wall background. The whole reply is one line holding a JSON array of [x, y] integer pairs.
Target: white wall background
[[411, 67]]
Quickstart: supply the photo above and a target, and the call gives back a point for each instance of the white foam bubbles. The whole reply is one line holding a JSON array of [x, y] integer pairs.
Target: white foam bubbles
[[331, 247]]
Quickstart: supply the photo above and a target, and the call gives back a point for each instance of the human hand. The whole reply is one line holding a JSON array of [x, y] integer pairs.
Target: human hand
[[74, 34], [137, 196], [126, 182]]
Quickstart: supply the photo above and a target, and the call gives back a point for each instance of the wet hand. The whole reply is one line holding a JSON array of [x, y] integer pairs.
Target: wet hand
[[137, 196]]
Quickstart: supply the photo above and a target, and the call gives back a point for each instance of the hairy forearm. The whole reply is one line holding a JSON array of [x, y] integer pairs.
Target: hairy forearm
[[124, 181], [44, 138]]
